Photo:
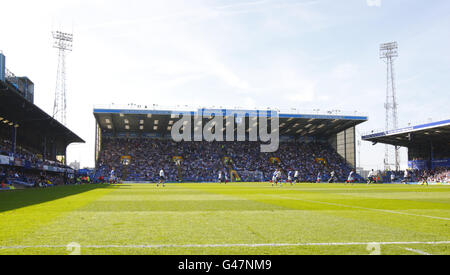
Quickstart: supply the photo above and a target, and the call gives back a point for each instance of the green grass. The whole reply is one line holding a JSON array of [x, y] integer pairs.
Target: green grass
[[185, 219]]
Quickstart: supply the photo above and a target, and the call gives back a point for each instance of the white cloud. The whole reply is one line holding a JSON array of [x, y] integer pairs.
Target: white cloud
[[374, 3]]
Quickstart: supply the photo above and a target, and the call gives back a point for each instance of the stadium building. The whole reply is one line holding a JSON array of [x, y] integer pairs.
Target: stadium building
[[427, 144], [120, 130], [31, 141]]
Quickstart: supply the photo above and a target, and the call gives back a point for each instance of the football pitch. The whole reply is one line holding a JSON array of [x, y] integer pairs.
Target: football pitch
[[237, 219]]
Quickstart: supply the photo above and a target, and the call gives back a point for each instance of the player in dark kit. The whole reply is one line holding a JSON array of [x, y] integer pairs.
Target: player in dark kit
[[290, 180]]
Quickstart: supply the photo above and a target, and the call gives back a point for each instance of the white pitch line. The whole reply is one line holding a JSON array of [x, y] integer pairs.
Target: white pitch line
[[417, 251], [225, 245], [365, 208]]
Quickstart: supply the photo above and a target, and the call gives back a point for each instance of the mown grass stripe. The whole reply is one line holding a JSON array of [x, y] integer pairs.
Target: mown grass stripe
[[227, 245], [367, 208]]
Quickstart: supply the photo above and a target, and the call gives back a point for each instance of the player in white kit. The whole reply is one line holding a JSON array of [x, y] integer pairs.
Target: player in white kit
[[162, 178], [332, 178], [296, 177], [112, 176], [351, 177], [276, 177], [220, 177]]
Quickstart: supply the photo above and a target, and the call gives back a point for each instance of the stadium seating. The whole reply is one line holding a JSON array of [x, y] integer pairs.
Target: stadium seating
[[436, 175], [27, 177], [202, 161], [25, 155]]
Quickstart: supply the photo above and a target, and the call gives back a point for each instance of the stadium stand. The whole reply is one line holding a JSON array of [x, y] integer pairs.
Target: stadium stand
[[435, 175], [428, 151], [202, 161], [32, 143], [136, 144]]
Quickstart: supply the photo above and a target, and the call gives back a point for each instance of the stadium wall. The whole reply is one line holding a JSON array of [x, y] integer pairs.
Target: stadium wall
[[345, 144]]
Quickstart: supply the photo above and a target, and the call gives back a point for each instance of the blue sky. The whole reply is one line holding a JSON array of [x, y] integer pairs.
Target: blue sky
[[321, 54]]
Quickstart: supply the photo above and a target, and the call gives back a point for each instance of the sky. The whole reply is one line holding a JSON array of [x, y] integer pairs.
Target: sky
[[305, 54]]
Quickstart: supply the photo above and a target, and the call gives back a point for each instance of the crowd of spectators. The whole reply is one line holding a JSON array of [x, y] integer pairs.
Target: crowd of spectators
[[149, 156], [23, 154], [33, 175], [20, 177], [202, 161], [435, 175]]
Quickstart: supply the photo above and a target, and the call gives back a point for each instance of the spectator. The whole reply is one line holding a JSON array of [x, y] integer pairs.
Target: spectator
[[202, 160]]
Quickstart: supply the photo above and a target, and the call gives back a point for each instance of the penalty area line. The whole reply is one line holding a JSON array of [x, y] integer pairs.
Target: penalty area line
[[227, 245]]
